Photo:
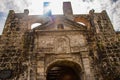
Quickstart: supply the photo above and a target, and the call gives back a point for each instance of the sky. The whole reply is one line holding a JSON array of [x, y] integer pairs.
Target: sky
[[79, 7]]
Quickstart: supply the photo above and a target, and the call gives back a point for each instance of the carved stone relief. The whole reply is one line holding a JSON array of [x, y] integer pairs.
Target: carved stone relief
[[62, 45]]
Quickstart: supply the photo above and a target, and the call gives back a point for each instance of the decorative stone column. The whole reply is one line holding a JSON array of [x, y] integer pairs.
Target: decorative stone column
[[86, 65]]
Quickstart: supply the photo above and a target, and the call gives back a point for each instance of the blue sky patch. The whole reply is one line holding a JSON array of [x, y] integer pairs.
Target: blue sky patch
[[2, 15]]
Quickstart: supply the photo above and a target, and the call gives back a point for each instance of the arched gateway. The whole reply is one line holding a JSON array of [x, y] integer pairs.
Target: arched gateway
[[64, 70]]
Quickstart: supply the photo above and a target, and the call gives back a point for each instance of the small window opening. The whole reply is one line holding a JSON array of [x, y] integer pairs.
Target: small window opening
[[60, 26]]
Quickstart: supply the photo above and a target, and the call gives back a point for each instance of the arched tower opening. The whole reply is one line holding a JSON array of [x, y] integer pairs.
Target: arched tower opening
[[83, 21], [34, 25], [64, 70]]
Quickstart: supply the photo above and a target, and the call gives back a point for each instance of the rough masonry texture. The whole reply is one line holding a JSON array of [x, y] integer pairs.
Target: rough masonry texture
[[63, 47]]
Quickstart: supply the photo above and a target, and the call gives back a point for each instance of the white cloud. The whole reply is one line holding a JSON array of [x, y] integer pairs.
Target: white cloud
[[79, 7]]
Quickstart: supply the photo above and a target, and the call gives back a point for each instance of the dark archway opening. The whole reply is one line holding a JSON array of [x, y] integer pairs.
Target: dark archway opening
[[62, 73], [64, 70], [117, 78]]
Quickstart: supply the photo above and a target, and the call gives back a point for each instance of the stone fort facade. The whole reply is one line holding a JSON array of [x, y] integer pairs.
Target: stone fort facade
[[63, 47]]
